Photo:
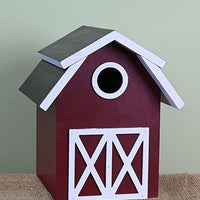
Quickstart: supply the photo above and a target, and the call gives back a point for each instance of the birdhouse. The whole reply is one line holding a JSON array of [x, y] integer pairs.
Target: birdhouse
[[98, 97]]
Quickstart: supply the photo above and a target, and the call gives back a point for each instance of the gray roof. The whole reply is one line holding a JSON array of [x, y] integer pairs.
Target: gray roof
[[73, 42], [44, 77], [41, 81]]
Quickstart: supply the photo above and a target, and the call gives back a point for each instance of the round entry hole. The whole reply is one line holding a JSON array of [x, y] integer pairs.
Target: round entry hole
[[109, 80]]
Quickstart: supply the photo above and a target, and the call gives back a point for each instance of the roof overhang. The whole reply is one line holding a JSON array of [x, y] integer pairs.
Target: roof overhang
[[165, 86], [108, 38]]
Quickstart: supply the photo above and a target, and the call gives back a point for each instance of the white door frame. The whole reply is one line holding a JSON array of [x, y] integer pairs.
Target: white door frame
[[109, 137]]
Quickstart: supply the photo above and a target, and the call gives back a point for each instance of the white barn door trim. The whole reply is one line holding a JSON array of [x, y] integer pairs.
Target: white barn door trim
[[109, 137]]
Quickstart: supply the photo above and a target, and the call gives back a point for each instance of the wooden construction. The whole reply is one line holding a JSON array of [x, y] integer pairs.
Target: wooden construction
[[98, 116]]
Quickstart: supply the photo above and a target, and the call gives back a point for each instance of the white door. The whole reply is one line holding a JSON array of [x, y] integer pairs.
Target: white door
[[109, 137]]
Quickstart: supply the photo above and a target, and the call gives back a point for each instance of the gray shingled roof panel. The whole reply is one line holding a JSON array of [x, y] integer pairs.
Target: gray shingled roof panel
[[41, 81], [73, 42]]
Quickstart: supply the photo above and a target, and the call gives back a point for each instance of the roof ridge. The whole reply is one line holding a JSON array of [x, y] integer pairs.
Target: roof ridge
[[84, 41]]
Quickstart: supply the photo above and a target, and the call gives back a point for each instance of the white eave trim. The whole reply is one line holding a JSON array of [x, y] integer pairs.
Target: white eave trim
[[66, 77], [113, 36], [167, 89], [50, 60], [139, 50]]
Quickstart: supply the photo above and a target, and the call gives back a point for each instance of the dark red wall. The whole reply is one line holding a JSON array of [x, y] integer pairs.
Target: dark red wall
[[46, 148], [78, 106]]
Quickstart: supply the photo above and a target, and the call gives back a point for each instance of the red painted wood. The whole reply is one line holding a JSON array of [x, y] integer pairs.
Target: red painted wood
[[80, 165], [78, 106], [127, 186], [127, 141], [90, 142], [117, 164], [100, 165], [46, 148], [137, 163], [90, 183]]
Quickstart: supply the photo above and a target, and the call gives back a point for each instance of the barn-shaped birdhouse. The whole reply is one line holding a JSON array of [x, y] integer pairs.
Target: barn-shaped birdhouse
[[98, 100]]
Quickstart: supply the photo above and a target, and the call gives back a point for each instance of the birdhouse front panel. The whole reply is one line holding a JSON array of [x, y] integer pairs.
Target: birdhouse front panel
[[80, 107], [98, 100]]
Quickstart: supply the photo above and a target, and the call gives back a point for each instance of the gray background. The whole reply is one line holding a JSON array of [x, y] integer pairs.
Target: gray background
[[169, 29]]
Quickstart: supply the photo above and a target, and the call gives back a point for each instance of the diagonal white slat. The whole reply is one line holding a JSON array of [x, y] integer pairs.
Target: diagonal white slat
[[98, 180], [119, 179], [135, 148], [82, 149], [119, 147], [82, 181], [134, 178]]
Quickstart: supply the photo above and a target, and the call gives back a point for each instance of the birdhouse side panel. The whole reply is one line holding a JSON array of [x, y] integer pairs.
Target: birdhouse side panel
[[46, 148], [80, 107]]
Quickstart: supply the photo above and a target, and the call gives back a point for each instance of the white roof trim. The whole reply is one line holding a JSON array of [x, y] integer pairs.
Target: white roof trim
[[50, 60], [113, 36], [66, 77], [139, 50], [167, 89]]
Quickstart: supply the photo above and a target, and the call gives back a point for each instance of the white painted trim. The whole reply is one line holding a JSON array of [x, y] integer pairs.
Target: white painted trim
[[50, 60], [138, 49], [113, 36], [149, 61], [88, 49], [167, 89], [96, 87], [109, 137], [165, 86], [66, 77]]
